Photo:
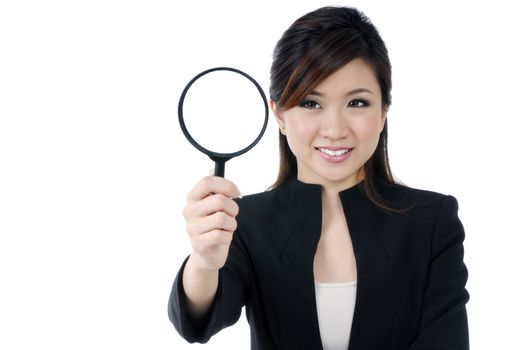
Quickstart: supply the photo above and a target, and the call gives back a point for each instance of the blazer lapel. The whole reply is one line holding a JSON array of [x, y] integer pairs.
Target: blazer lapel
[[372, 260], [305, 224]]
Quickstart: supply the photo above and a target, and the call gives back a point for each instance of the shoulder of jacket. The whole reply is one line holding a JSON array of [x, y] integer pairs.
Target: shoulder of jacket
[[257, 201], [264, 206], [405, 196]]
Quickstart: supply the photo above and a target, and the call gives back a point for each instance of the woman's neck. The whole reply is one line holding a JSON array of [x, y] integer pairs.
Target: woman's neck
[[330, 203], [330, 193]]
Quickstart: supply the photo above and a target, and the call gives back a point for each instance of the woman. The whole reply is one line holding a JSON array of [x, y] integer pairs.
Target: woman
[[336, 255]]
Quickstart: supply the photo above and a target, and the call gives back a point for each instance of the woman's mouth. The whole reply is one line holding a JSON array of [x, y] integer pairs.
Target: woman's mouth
[[334, 154]]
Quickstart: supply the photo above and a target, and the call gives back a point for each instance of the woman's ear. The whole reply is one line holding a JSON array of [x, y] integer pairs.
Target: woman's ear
[[278, 115], [383, 119]]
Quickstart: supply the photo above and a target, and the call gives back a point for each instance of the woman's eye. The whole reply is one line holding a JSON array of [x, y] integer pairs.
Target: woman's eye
[[310, 104], [358, 103]]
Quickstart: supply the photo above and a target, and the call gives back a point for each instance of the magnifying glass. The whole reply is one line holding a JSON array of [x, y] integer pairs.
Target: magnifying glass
[[223, 113]]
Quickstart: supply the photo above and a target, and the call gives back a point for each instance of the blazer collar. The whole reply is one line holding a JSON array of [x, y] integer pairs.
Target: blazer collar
[[304, 210]]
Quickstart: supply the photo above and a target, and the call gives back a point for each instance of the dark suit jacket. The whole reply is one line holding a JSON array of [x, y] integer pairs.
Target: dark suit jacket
[[410, 272]]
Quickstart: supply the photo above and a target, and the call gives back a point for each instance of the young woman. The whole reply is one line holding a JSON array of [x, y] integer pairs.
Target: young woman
[[337, 255]]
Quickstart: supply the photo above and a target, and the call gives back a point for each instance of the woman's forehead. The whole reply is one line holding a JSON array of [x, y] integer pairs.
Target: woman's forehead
[[354, 77]]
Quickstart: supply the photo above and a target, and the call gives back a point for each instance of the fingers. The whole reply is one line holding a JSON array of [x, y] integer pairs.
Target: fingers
[[213, 184], [209, 205], [210, 214], [211, 239], [216, 221]]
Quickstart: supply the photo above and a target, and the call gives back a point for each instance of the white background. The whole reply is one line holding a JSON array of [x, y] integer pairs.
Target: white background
[[94, 169]]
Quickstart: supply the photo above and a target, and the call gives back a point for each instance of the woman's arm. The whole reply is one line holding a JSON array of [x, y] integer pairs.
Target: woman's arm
[[443, 323], [231, 295], [207, 294], [200, 287]]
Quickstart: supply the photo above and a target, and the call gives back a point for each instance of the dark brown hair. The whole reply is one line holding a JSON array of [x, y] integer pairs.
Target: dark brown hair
[[316, 45]]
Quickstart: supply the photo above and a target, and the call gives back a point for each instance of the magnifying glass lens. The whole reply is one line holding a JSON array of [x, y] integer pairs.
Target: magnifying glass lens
[[223, 111]]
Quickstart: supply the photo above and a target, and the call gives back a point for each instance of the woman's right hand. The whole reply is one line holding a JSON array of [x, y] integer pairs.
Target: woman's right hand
[[210, 214]]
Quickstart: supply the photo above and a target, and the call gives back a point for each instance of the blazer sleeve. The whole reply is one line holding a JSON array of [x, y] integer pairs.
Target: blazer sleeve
[[234, 282], [443, 324]]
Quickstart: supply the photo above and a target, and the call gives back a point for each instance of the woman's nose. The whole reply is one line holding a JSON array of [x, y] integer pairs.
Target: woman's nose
[[334, 125]]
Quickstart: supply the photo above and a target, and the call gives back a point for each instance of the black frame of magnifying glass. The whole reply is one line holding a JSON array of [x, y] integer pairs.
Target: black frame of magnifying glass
[[220, 158]]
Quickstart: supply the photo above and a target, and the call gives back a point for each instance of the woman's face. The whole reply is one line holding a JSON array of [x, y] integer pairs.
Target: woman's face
[[336, 128]]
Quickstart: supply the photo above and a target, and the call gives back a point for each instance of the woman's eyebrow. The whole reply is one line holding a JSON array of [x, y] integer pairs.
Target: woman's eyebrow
[[351, 92]]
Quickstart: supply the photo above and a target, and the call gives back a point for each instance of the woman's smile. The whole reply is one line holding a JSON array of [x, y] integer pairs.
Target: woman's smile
[[334, 154]]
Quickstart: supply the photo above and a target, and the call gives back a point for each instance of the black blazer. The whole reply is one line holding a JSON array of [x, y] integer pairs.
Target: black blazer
[[410, 272]]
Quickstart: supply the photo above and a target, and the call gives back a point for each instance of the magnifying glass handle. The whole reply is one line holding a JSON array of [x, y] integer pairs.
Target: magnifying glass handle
[[219, 167]]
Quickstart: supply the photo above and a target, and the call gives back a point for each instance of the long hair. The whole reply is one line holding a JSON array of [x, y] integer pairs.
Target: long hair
[[316, 45]]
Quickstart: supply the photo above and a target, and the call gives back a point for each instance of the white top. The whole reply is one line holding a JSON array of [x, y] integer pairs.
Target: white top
[[335, 307]]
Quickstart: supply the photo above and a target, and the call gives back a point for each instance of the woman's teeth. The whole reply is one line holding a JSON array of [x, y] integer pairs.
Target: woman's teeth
[[334, 153]]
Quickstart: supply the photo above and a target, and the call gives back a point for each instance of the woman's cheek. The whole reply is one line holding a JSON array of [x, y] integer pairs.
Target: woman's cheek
[[368, 128]]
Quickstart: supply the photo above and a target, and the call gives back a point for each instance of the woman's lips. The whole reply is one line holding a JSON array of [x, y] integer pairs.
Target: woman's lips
[[334, 154]]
